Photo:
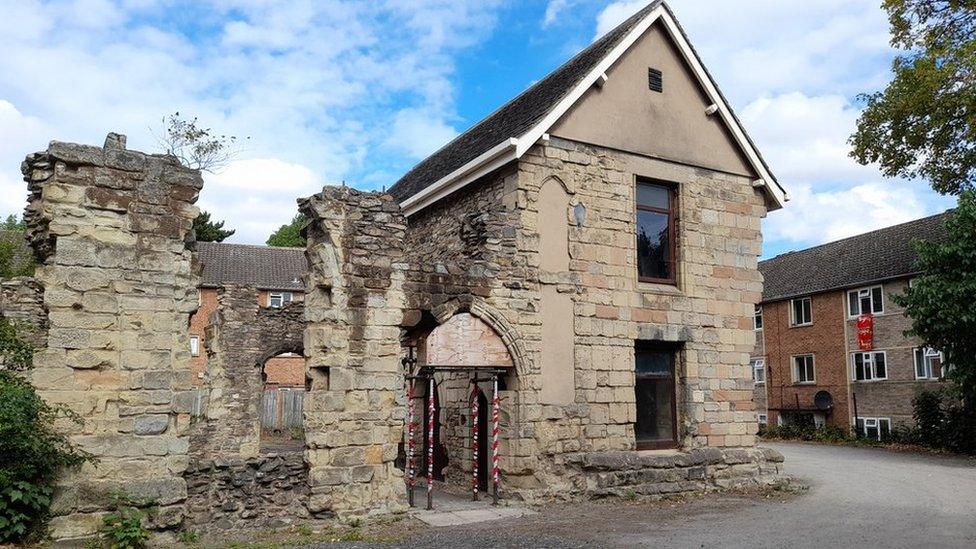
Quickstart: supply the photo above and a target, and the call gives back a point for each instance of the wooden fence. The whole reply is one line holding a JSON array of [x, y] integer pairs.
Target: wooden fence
[[281, 408]]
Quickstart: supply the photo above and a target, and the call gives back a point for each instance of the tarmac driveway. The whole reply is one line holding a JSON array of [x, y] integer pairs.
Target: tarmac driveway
[[858, 497]]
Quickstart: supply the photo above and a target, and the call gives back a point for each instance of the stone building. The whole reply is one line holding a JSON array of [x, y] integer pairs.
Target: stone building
[[605, 225], [808, 344], [591, 246]]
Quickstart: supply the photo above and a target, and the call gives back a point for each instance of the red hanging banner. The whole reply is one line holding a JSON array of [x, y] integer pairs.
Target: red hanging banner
[[865, 332]]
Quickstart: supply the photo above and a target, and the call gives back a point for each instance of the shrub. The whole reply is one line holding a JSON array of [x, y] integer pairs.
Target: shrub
[[32, 452], [942, 422], [123, 528], [807, 432]]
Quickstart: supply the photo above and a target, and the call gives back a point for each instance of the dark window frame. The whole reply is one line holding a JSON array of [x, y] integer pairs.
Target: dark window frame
[[675, 352], [672, 213]]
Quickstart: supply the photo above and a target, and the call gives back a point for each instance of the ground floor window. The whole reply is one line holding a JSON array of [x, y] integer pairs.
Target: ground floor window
[[877, 428], [656, 425], [763, 420]]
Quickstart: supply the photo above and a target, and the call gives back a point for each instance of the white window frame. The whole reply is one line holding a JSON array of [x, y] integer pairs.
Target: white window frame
[[869, 294], [284, 298], [794, 367], [757, 318], [927, 354], [869, 360], [875, 423], [758, 365], [793, 319], [762, 419], [194, 345]]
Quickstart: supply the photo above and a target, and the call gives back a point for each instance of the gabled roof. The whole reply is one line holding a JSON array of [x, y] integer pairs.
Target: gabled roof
[[262, 267], [867, 258], [507, 133]]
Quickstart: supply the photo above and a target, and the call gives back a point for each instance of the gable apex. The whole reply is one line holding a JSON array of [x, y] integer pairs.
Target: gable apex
[[509, 132]]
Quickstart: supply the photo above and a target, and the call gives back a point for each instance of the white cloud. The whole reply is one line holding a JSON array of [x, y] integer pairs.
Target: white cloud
[[553, 9], [815, 217], [615, 14], [315, 85], [419, 133], [266, 190], [805, 138]]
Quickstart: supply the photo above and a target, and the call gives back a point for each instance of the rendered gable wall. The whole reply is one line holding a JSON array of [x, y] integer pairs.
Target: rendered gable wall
[[625, 114]]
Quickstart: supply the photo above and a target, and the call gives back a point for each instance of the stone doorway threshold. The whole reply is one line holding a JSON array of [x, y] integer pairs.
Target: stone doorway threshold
[[455, 510]]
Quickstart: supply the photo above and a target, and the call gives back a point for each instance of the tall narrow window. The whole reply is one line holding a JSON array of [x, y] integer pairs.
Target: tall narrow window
[[655, 233], [801, 312], [656, 425], [758, 370], [194, 346], [757, 318]]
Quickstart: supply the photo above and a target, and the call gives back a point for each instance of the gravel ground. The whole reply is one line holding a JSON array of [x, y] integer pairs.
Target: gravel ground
[[862, 497]]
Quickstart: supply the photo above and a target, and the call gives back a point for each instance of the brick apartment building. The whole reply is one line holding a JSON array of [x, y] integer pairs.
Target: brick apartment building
[[274, 274], [810, 364]]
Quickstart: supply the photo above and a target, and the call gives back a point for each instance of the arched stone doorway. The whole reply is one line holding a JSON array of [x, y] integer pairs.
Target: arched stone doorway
[[464, 351]]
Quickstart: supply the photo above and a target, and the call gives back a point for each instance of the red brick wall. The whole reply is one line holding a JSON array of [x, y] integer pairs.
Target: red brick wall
[[824, 339], [198, 326], [285, 371]]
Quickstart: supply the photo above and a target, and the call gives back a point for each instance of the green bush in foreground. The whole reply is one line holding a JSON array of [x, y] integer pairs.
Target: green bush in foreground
[[32, 452]]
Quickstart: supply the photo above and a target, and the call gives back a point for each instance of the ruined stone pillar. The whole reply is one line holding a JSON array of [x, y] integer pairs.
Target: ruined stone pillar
[[354, 412], [109, 227]]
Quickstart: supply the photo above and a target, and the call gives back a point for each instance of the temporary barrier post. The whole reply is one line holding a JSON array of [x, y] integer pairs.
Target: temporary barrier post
[[494, 439]]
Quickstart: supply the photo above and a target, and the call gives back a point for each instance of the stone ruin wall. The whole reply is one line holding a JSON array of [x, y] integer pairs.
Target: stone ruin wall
[[22, 304], [354, 408], [240, 337], [233, 480], [109, 228]]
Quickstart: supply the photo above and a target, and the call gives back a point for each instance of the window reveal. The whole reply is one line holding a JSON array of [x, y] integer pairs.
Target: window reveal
[[655, 233], [656, 425]]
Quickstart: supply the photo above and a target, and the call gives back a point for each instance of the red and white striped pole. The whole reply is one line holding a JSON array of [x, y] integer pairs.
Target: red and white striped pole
[[411, 430], [474, 441], [494, 440], [430, 443]]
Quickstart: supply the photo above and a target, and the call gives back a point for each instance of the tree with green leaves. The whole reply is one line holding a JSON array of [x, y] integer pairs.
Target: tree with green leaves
[[15, 256], [210, 231], [924, 123], [290, 234], [13, 223], [940, 302]]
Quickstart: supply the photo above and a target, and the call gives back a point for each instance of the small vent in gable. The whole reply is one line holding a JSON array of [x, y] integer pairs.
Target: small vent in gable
[[655, 80]]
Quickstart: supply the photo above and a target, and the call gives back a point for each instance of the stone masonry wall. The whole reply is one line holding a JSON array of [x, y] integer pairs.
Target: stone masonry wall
[[109, 227], [266, 491], [354, 409], [240, 339], [22, 304]]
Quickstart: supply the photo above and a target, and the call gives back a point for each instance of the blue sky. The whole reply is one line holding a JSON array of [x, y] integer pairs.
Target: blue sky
[[359, 91]]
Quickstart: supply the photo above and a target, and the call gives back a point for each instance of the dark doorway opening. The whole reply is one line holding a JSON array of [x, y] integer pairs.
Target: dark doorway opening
[[483, 449]]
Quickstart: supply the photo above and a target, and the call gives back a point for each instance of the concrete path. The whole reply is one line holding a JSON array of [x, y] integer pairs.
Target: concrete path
[[858, 497], [456, 510]]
